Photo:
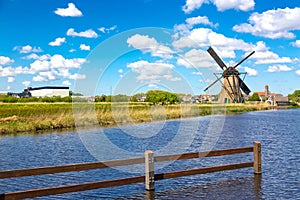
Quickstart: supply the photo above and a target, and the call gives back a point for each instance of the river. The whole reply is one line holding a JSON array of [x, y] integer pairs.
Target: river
[[277, 130]]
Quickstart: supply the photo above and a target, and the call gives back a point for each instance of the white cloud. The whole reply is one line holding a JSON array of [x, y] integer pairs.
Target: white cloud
[[66, 82], [197, 73], [191, 5], [298, 72], [264, 56], [107, 30], [85, 47], [153, 72], [120, 71], [39, 78], [27, 49], [149, 45], [195, 59], [88, 33], [199, 20], [71, 11], [57, 42], [244, 5], [250, 71], [279, 68], [11, 79], [11, 71], [38, 65], [296, 43], [152, 85], [77, 76], [203, 37], [272, 24], [26, 83], [5, 60], [37, 57], [222, 5]]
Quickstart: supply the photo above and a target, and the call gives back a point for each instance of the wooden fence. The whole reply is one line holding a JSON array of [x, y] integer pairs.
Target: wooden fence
[[149, 178]]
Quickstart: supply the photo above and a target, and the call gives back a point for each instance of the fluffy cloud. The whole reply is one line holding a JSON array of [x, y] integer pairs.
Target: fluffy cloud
[[243, 5], [195, 59], [107, 30], [279, 68], [152, 72], [26, 83], [221, 5], [203, 37], [56, 66], [88, 33], [11, 71], [296, 43], [57, 42], [71, 11], [298, 72], [149, 45], [272, 23], [37, 57], [5, 60], [85, 47], [11, 79], [66, 82], [264, 56], [191, 5], [183, 29], [27, 49], [250, 71]]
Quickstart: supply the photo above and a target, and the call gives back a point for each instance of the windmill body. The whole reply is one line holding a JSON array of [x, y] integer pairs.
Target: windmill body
[[232, 85]]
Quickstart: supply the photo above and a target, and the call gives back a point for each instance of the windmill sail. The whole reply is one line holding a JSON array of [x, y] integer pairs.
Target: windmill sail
[[216, 58]]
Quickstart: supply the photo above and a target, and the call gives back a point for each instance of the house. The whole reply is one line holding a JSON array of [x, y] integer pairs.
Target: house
[[272, 98]]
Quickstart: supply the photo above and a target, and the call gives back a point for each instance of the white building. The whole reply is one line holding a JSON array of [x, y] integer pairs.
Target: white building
[[48, 91]]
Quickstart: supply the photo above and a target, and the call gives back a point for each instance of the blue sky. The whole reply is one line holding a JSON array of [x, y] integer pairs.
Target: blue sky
[[119, 46]]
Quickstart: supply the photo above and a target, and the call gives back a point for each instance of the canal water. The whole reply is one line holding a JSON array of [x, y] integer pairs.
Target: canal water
[[277, 130]]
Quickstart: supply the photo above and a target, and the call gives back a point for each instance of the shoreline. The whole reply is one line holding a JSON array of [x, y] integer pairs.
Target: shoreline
[[24, 118]]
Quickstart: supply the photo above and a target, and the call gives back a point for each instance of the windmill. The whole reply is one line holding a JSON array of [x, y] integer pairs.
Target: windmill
[[232, 83]]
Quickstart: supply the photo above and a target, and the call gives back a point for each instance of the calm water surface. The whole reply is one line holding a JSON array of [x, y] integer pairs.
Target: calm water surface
[[278, 131]]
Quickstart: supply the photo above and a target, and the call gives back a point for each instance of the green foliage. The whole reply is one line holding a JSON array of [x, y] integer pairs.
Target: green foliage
[[295, 97], [254, 97], [71, 93], [159, 96], [120, 98]]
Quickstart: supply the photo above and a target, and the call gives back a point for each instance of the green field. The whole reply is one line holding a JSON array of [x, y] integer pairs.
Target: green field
[[34, 117]]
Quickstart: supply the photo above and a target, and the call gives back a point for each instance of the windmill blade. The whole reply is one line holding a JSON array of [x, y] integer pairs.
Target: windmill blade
[[213, 83], [216, 58], [243, 86], [244, 59]]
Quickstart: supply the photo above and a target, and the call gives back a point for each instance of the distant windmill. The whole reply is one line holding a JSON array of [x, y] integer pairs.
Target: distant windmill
[[232, 83]]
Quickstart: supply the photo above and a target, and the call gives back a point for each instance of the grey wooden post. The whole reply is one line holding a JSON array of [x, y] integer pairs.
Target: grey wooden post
[[149, 169], [257, 157]]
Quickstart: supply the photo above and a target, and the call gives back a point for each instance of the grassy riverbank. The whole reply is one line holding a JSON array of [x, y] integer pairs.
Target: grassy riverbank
[[34, 117]]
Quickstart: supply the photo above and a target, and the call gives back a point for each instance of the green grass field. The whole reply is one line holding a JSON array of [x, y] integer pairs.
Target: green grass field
[[33, 117]]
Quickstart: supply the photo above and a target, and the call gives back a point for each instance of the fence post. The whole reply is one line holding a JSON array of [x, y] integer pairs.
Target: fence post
[[257, 157], [149, 169]]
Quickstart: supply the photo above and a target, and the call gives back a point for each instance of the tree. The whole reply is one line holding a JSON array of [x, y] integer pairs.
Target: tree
[[295, 97], [254, 97], [160, 96]]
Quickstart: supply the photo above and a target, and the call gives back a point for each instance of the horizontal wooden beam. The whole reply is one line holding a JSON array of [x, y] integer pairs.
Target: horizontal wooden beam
[[115, 163], [192, 155], [69, 168], [205, 170], [71, 188]]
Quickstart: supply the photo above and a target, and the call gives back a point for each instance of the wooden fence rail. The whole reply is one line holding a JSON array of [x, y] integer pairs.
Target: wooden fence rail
[[149, 178]]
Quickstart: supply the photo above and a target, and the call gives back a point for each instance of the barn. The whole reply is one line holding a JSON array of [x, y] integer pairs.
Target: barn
[[48, 91]]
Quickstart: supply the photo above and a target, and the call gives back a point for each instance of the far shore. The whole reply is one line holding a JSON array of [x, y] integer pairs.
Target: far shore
[[17, 118]]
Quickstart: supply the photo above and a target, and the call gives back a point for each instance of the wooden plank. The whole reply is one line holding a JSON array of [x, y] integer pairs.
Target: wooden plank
[[205, 170], [69, 168], [257, 157], [149, 170], [71, 188], [192, 155]]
